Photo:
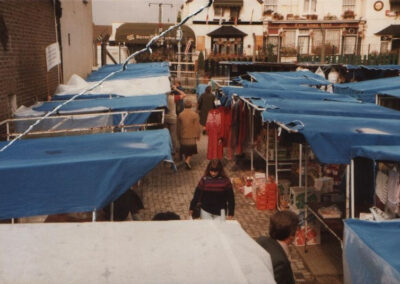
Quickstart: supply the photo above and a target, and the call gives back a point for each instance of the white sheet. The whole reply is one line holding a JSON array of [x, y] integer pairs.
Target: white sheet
[[132, 252], [126, 87]]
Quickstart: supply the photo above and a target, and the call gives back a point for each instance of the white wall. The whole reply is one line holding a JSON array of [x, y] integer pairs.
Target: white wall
[[77, 38], [251, 10]]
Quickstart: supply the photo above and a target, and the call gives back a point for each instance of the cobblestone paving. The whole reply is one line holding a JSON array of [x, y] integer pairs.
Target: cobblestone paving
[[166, 190]]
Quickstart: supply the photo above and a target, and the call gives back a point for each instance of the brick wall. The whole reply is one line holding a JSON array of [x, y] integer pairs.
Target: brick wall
[[31, 28]]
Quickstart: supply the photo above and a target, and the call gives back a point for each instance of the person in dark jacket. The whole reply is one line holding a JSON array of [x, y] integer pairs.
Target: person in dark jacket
[[205, 103], [215, 193], [282, 229]]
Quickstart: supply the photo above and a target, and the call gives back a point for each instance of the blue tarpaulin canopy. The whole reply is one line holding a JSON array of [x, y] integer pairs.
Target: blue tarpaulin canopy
[[94, 106], [392, 92], [141, 70], [377, 153], [332, 137], [371, 252], [329, 108], [76, 173], [366, 90], [373, 67], [309, 94], [289, 78]]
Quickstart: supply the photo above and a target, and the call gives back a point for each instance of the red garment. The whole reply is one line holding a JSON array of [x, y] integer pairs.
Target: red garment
[[243, 116], [214, 129]]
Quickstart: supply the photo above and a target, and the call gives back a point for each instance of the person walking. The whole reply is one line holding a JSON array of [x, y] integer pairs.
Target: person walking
[[282, 229], [188, 132], [205, 104], [214, 193], [171, 122]]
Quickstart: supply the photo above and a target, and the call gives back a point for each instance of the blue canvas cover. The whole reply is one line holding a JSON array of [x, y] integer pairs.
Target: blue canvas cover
[[200, 89], [330, 108], [373, 67], [371, 252], [136, 103], [289, 78], [377, 153], [138, 70], [392, 92], [76, 173], [332, 137], [292, 93], [366, 90]]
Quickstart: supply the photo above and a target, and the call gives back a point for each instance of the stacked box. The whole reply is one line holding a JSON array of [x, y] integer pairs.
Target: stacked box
[[297, 197], [312, 234]]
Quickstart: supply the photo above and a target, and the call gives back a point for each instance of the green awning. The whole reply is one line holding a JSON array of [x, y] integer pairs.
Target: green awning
[[228, 3]]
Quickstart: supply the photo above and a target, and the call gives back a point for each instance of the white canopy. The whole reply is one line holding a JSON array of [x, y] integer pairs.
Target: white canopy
[[132, 252]]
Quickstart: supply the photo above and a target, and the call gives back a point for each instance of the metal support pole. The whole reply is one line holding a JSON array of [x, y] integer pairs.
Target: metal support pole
[[300, 163], [252, 113], [178, 68], [352, 188], [94, 215], [266, 153], [347, 191], [305, 197], [276, 156], [112, 211]]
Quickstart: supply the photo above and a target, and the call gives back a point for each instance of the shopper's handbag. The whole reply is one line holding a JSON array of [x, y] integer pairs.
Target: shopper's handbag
[[197, 208], [196, 211]]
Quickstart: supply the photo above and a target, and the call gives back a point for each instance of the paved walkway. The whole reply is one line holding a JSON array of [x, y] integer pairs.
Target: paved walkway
[[166, 190]]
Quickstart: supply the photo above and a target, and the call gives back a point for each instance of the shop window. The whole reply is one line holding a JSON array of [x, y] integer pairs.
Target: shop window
[[218, 12], [349, 45], [310, 6], [349, 5], [234, 14], [395, 44], [394, 6]]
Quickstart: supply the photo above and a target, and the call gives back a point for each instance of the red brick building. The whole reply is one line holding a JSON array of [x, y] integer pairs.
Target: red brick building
[[26, 29]]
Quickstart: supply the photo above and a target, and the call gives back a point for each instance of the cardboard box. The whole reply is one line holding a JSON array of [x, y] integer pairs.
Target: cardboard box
[[297, 197]]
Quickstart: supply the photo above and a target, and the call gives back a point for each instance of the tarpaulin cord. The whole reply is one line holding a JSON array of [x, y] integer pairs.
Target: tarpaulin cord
[[124, 67]]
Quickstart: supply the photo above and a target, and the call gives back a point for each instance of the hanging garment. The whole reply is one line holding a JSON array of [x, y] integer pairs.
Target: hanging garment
[[381, 186], [243, 118], [393, 194], [214, 129]]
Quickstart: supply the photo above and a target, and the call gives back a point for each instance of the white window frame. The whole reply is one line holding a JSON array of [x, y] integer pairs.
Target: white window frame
[[309, 6], [271, 5], [349, 5]]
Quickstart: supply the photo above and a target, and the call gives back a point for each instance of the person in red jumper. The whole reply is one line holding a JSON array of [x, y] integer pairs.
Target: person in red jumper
[[214, 192]]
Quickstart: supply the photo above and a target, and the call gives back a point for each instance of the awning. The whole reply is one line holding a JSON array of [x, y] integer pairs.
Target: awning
[[76, 173], [370, 252], [228, 3], [377, 153], [392, 30], [227, 31], [141, 33]]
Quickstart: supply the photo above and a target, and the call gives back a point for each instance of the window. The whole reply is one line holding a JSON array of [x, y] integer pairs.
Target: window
[[218, 12], [384, 47], [349, 45], [310, 6], [234, 14], [272, 44], [332, 41], [304, 42], [271, 5], [349, 5]]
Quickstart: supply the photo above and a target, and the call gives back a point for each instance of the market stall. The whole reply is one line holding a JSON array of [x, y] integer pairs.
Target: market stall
[[370, 253], [76, 173], [78, 115]]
